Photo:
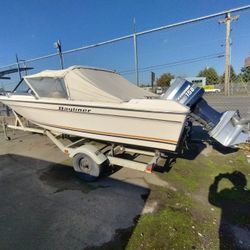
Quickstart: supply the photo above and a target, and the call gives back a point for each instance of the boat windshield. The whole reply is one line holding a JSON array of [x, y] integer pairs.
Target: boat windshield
[[49, 87], [22, 88]]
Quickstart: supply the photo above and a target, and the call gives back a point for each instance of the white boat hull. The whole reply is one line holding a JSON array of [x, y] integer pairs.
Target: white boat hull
[[119, 124]]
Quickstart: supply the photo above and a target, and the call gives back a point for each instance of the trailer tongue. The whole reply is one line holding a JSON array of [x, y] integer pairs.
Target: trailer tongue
[[227, 128]]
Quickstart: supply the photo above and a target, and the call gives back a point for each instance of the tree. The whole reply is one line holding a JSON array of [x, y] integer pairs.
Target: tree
[[233, 75], [245, 74], [210, 74], [164, 80]]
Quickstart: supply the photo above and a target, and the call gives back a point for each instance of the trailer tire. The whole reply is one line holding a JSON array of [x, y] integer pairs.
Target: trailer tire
[[86, 168]]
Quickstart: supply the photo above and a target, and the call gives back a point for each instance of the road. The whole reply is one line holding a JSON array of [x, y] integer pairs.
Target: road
[[222, 103]]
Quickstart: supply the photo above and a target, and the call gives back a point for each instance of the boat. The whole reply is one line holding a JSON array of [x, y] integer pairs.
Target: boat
[[113, 117], [98, 104]]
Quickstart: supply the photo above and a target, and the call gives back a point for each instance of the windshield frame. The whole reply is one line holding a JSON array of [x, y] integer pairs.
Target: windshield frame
[[30, 91]]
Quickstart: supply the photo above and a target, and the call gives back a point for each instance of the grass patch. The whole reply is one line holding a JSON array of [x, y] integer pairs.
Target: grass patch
[[194, 175], [190, 217], [174, 226]]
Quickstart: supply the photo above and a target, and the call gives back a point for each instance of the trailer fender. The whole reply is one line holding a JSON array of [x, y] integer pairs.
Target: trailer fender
[[89, 150]]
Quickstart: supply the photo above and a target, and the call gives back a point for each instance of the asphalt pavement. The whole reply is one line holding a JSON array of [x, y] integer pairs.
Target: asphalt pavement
[[45, 206], [223, 103]]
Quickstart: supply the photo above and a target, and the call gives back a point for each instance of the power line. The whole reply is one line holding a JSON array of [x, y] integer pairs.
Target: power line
[[139, 33], [175, 63]]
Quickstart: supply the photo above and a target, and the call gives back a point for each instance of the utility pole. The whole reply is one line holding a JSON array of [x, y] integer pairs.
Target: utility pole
[[135, 54], [227, 21], [153, 81], [18, 67], [58, 46]]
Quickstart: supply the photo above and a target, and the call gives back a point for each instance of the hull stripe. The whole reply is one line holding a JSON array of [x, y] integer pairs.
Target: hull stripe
[[137, 137]]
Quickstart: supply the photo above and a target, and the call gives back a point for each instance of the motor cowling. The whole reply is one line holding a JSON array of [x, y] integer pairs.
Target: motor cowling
[[227, 127]]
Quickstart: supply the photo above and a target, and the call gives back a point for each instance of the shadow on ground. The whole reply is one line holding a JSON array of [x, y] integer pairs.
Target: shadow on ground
[[198, 142], [45, 206], [201, 136], [234, 202]]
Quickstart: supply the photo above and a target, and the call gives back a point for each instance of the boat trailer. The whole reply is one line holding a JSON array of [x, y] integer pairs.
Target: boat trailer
[[227, 128], [91, 156]]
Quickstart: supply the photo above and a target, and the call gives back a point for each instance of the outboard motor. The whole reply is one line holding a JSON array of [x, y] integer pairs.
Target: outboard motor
[[227, 128]]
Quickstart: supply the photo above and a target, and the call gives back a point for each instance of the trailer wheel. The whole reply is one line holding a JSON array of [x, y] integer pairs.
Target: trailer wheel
[[86, 168]]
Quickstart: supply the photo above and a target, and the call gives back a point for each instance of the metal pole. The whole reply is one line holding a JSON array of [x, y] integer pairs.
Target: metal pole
[[230, 83], [25, 66], [227, 54], [58, 45], [228, 19], [152, 81], [18, 67], [136, 55]]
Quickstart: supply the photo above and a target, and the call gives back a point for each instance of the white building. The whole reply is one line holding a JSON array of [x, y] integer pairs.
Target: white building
[[200, 81]]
